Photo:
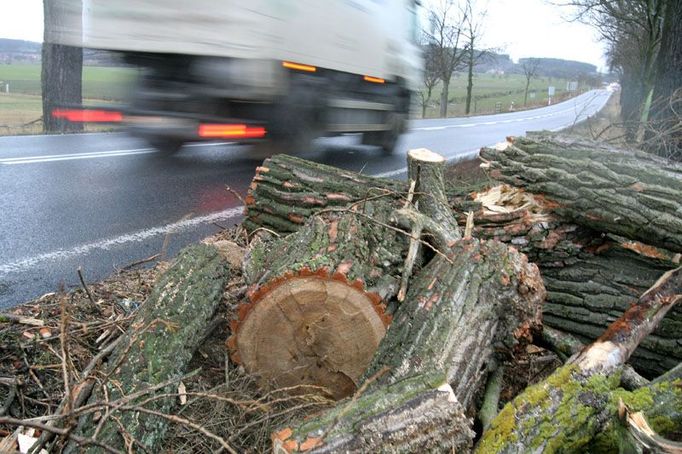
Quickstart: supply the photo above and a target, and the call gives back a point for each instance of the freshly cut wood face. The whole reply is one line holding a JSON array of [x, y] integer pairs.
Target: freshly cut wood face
[[311, 330]]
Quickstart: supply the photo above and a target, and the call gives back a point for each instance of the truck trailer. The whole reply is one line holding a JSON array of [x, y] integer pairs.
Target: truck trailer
[[279, 70]]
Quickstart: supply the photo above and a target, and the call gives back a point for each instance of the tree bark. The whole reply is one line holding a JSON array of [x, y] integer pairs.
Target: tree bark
[[166, 331], [444, 97], [636, 195], [579, 400], [668, 92], [590, 278], [62, 66], [287, 190]]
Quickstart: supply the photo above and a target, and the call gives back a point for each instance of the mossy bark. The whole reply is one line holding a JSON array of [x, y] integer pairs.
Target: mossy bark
[[575, 412], [567, 411], [624, 192], [166, 331]]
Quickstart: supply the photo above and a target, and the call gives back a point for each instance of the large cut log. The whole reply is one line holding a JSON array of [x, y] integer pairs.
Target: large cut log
[[591, 279], [577, 405], [166, 331], [461, 310], [624, 192], [316, 307], [473, 301], [317, 298], [287, 190]]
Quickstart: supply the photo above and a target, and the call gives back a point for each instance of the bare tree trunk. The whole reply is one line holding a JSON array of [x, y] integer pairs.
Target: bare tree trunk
[[668, 93], [444, 98], [470, 79], [62, 66]]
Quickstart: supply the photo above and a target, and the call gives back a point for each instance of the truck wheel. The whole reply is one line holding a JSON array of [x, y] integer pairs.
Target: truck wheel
[[387, 140], [166, 145]]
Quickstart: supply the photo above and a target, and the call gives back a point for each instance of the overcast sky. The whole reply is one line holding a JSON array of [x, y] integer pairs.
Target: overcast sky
[[521, 28]]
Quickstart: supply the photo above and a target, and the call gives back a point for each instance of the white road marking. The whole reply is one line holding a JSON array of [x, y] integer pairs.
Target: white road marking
[[488, 123], [177, 227], [106, 244], [74, 156], [93, 155]]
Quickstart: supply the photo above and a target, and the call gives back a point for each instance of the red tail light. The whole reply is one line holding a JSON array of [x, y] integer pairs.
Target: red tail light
[[236, 131], [88, 115]]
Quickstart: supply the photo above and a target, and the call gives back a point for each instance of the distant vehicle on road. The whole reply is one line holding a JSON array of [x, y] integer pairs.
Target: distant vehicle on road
[[283, 70]]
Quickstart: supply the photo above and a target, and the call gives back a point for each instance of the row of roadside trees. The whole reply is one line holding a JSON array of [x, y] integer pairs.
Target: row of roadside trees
[[644, 40], [451, 42]]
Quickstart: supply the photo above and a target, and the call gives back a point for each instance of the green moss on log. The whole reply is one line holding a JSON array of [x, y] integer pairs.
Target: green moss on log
[[164, 335]]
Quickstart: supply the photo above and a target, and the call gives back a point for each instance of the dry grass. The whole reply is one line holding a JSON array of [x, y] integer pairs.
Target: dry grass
[[223, 399], [606, 125]]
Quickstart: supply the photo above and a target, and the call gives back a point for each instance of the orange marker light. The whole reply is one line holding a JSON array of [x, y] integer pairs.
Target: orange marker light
[[235, 131], [88, 115], [374, 80], [299, 66]]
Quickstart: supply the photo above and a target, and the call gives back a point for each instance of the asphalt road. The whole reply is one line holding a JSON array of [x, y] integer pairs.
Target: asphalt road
[[102, 201]]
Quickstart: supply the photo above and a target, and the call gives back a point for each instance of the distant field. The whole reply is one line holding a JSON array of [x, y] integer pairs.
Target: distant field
[[107, 84], [98, 82], [490, 89]]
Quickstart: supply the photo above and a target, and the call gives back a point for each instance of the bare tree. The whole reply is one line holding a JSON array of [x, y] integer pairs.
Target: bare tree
[[62, 65], [530, 67], [632, 29], [430, 77], [473, 32], [667, 110], [446, 23]]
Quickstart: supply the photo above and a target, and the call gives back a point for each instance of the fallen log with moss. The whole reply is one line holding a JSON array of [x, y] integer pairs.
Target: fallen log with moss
[[144, 371], [576, 408]]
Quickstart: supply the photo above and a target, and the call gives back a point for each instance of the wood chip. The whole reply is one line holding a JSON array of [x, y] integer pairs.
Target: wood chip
[[182, 393]]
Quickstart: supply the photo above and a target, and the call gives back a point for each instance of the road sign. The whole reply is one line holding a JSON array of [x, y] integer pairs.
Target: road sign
[[550, 91]]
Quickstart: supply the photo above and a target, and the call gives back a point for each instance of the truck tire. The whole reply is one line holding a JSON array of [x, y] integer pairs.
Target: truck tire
[[387, 140]]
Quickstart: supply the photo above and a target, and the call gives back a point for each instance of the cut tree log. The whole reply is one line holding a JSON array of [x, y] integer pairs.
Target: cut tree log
[[472, 301], [590, 278], [624, 192], [578, 404], [316, 307], [461, 311], [287, 190], [162, 338]]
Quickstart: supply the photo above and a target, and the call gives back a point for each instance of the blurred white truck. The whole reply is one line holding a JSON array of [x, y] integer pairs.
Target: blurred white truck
[[285, 70]]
